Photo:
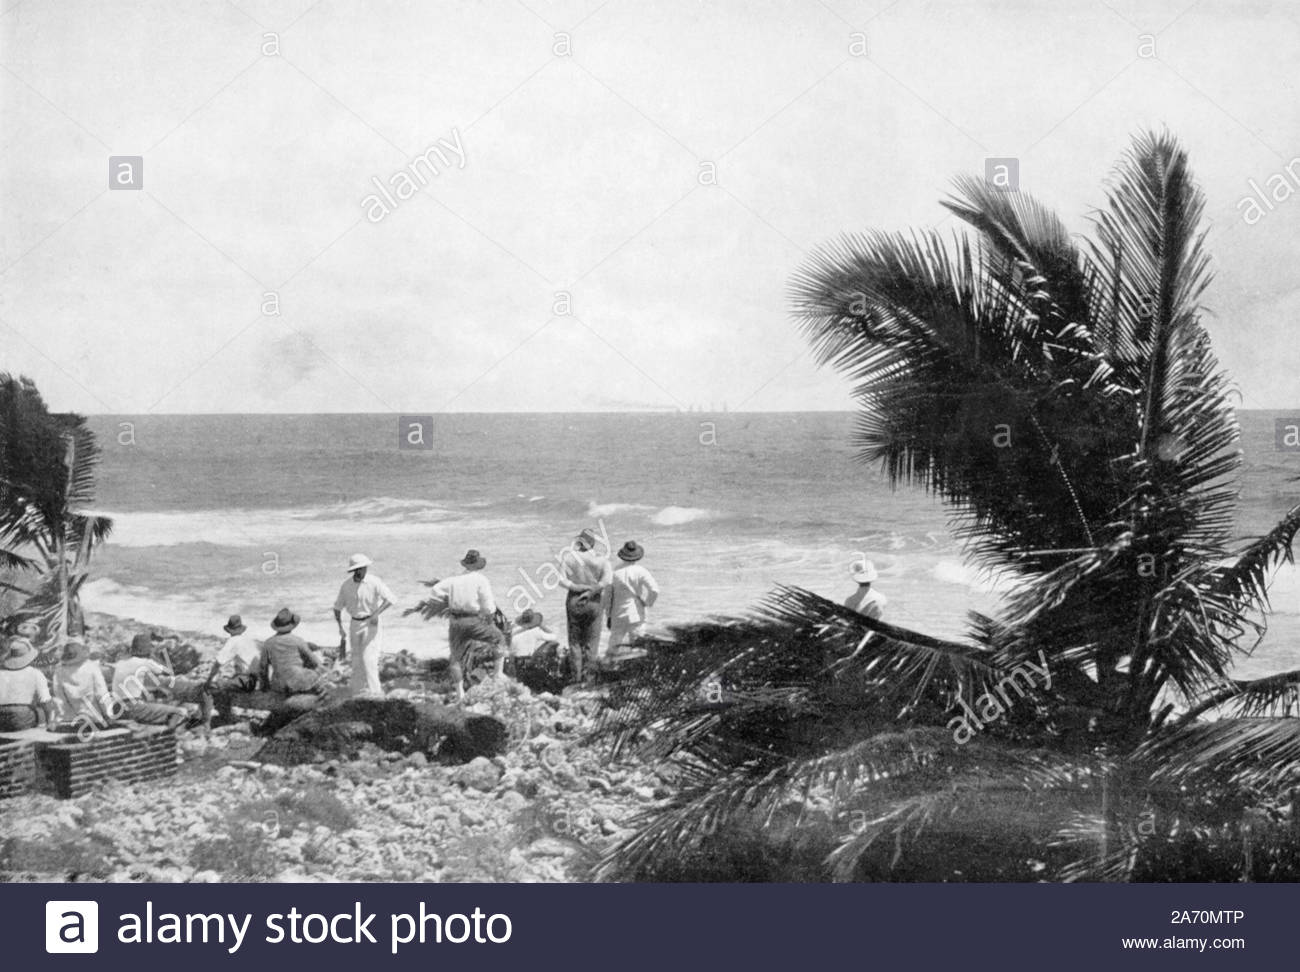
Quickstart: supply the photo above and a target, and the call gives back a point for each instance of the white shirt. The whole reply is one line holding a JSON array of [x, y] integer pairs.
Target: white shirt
[[134, 677], [872, 603], [584, 567], [467, 593], [632, 591], [239, 654], [528, 641], [23, 687], [80, 689], [362, 600]]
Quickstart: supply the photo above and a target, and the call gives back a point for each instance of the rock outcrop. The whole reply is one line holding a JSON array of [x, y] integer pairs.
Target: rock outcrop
[[394, 725]]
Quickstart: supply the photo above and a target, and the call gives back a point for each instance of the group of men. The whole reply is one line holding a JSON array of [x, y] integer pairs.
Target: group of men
[[600, 595], [144, 689], [596, 590]]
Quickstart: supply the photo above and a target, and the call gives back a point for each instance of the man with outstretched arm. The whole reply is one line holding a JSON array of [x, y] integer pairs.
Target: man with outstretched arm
[[471, 607]]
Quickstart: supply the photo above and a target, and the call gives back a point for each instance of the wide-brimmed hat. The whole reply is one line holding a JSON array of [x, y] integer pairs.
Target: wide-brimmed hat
[[631, 552], [529, 619], [18, 653], [234, 626], [863, 571], [75, 652], [473, 560], [142, 646], [286, 620], [358, 561], [587, 537]]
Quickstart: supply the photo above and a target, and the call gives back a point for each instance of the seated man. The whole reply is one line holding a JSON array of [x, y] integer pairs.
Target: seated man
[[538, 658], [27, 632], [24, 690], [530, 634], [235, 667], [140, 684], [290, 668], [79, 687]]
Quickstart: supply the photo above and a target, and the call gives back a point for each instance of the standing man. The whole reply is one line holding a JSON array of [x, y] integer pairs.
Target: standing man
[[864, 600], [632, 592], [364, 598], [471, 607], [585, 574]]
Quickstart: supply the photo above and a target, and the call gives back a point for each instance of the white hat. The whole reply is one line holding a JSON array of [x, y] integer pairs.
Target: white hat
[[863, 571], [357, 562]]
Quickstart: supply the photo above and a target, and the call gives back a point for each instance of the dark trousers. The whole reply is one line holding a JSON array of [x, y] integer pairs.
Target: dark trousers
[[467, 631], [15, 718], [582, 612], [225, 691]]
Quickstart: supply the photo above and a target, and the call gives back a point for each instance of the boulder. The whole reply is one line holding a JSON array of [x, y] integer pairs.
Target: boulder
[[479, 773], [388, 725]]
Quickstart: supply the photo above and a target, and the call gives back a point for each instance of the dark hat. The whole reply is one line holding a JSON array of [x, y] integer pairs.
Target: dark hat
[[75, 652], [473, 560], [286, 620], [142, 646], [529, 619], [18, 654], [631, 552], [234, 626]]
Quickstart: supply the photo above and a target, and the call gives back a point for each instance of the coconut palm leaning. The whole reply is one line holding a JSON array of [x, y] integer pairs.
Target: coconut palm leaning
[[1061, 397], [47, 477]]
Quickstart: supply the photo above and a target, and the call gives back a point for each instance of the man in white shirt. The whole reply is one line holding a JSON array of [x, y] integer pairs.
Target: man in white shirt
[[586, 575], [364, 596], [631, 593], [241, 652], [79, 687], [24, 689], [530, 634], [237, 666], [864, 600], [140, 682], [471, 607]]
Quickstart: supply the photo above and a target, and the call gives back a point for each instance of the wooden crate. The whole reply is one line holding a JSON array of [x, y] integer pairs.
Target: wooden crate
[[17, 767], [117, 755]]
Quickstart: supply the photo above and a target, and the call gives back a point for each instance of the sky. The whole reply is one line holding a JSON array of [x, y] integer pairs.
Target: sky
[[623, 191]]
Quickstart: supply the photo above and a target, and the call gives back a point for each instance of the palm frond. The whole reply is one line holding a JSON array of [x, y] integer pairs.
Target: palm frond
[[1273, 695], [1246, 580], [1245, 752], [984, 780], [755, 682]]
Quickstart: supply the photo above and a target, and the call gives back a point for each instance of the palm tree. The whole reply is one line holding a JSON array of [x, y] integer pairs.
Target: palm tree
[[47, 476], [1062, 398]]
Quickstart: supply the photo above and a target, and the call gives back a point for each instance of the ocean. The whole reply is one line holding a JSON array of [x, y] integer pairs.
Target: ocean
[[224, 514]]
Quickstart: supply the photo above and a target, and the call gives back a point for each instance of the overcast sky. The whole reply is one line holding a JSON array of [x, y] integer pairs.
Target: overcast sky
[[589, 131]]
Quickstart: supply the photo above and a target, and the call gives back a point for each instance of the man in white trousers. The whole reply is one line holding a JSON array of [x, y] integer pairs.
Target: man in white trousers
[[630, 594], [365, 597]]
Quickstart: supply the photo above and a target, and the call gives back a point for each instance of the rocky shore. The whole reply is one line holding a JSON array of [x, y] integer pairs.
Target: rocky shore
[[543, 811]]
